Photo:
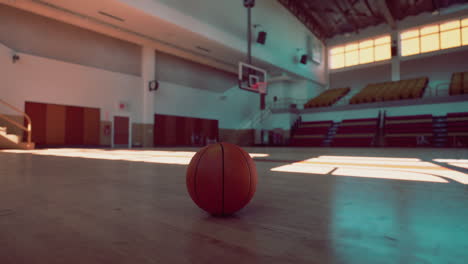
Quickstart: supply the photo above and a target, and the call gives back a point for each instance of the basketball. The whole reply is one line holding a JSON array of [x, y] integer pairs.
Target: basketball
[[221, 178]]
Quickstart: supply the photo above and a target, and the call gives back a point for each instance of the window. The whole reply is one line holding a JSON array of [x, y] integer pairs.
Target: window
[[360, 52], [337, 58], [317, 50], [464, 24], [429, 38]]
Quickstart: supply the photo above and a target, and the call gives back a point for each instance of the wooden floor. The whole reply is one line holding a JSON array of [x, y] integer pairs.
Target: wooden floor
[[75, 210]]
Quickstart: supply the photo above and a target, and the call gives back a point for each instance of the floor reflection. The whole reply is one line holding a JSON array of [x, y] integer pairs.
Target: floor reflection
[[410, 169], [151, 156], [398, 224]]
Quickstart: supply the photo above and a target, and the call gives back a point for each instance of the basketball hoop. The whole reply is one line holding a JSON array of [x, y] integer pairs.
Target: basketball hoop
[[260, 87]]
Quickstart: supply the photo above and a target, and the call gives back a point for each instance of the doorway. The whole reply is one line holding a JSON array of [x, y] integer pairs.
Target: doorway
[[121, 132]]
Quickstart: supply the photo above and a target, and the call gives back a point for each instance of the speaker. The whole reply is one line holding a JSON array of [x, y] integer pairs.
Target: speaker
[[303, 59], [153, 85], [261, 38], [249, 3]]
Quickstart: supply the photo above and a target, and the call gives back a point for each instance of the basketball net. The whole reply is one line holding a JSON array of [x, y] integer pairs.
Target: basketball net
[[261, 87]]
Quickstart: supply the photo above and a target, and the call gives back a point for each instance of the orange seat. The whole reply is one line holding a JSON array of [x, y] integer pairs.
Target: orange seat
[[406, 93], [465, 83], [456, 83], [327, 97]]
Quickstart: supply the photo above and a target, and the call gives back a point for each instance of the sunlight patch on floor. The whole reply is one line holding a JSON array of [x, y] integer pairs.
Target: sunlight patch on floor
[[461, 163], [151, 156], [411, 169]]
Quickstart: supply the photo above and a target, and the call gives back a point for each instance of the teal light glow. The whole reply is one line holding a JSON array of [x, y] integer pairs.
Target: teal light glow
[[411, 169]]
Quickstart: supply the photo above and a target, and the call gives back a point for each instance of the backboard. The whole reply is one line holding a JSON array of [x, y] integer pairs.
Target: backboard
[[252, 78]]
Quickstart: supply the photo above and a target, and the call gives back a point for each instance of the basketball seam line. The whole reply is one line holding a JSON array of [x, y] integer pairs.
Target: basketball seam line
[[222, 167], [250, 173], [195, 176]]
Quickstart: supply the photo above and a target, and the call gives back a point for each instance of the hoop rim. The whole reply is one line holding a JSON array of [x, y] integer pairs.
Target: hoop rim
[[261, 87]]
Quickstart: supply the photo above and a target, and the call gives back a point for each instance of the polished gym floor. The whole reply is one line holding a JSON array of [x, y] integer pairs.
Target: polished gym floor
[[313, 205]]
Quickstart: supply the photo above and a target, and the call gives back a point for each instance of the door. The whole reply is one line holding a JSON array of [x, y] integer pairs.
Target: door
[[121, 131]]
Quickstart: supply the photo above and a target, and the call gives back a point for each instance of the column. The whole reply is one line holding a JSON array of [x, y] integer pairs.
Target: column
[[148, 66], [396, 58]]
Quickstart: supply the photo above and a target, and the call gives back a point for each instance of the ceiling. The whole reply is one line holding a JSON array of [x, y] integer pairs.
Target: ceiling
[[327, 19], [115, 18]]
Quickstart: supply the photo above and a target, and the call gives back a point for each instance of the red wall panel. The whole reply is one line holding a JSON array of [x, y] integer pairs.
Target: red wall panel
[[92, 120], [183, 131], [37, 112], [74, 125], [121, 130], [64, 125], [55, 124]]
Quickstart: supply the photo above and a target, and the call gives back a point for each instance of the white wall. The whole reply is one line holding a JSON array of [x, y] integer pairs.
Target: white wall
[[237, 105], [303, 89], [38, 79], [225, 22], [293, 90], [46, 37], [279, 120], [277, 89], [438, 65]]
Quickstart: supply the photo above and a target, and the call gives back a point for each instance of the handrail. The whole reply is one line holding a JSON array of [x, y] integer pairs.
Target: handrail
[[28, 129], [446, 87], [286, 103]]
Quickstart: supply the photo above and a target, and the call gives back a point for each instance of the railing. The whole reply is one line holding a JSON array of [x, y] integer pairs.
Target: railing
[[256, 119], [27, 129], [442, 89], [286, 103], [439, 90]]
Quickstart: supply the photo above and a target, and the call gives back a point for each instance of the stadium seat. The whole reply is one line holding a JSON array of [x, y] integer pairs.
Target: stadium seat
[[408, 131], [457, 129], [387, 91], [310, 133], [356, 133], [465, 83], [327, 98], [456, 83]]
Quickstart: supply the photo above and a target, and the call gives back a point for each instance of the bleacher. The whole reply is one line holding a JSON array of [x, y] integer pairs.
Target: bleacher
[[356, 133], [398, 131], [459, 83], [327, 98], [388, 91], [310, 133], [408, 131], [457, 129]]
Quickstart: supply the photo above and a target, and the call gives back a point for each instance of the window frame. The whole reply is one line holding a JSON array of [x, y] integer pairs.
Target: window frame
[[358, 49], [439, 33]]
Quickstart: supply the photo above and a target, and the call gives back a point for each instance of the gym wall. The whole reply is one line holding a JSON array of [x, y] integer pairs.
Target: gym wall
[[170, 68], [61, 64], [190, 89], [438, 65], [62, 125], [33, 34]]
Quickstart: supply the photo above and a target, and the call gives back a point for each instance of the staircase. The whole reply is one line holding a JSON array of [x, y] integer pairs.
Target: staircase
[[331, 133], [10, 141], [439, 127]]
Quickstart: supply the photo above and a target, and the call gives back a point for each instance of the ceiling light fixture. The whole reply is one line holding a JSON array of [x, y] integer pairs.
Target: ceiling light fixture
[[111, 16]]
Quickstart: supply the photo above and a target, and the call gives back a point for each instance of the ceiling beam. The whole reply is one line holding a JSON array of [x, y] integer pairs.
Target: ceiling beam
[[370, 8], [319, 21], [295, 7], [387, 14], [343, 13]]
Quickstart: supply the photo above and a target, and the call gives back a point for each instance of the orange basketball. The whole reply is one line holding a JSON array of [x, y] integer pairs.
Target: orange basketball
[[221, 178]]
